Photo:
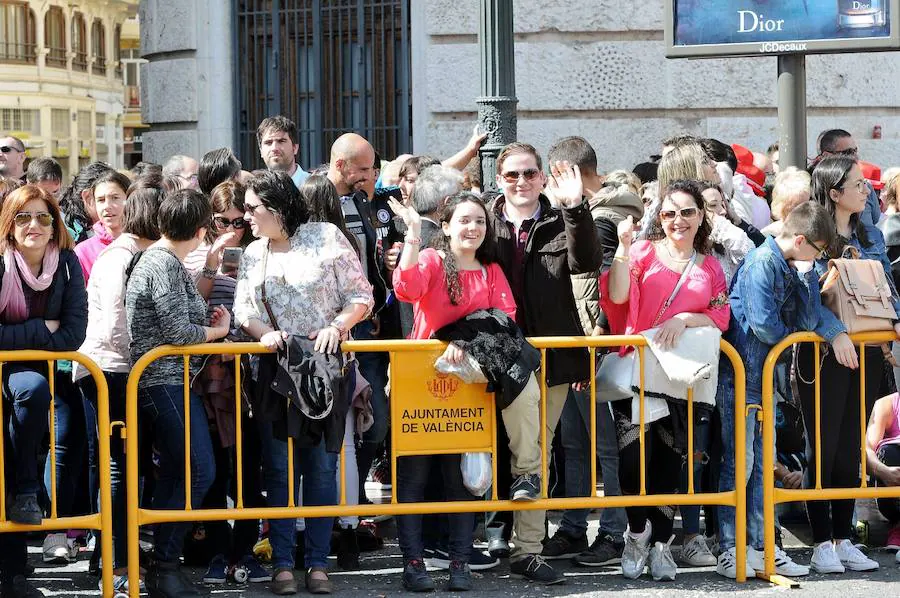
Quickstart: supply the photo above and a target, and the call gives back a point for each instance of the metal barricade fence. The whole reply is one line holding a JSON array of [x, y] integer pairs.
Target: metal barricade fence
[[415, 384], [772, 495], [102, 520]]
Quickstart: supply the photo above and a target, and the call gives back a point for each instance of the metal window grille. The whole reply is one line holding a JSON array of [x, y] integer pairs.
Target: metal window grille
[[19, 121], [79, 42], [331, 66], [55, 37]]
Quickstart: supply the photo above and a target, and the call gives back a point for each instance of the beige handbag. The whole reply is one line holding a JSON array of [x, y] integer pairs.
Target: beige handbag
[[858, 293]]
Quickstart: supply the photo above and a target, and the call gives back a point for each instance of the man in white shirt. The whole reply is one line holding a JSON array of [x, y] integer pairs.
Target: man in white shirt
[[277, 139]]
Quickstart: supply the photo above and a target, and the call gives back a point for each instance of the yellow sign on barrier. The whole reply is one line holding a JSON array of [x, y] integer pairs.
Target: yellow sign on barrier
[[437, 412]]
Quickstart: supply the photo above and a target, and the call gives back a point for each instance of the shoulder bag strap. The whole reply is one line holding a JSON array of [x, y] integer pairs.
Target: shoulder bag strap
[[265, 300], [677, 288]]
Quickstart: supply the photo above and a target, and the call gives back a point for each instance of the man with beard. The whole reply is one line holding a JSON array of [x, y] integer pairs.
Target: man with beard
[[278, 146]]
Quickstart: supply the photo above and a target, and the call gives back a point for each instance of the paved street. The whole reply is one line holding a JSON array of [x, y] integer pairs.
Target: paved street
[[381, 577]]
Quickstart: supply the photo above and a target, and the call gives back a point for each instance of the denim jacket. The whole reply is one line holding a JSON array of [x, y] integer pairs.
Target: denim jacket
[[829, 325], [769, 300]]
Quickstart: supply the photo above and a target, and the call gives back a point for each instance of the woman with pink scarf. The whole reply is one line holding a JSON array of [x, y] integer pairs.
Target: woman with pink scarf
[[43, 305]]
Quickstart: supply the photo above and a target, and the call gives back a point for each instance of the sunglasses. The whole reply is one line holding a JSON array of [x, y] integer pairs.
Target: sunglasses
[[669, 215], [512, 176], [850, 151], [237, 223], [23, 219], [8, 148]]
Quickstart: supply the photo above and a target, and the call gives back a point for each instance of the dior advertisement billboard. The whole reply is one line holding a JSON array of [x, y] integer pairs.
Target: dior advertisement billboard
[[760, 27]]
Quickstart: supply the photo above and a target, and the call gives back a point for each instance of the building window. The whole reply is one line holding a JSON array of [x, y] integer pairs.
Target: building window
[[98, 46], [117, 50], [79, 42], [17, 33], [59, 123], [84, 126], [20, 121], [55, 37]]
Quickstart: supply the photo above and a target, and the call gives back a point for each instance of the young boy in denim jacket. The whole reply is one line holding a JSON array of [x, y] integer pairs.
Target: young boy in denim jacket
[[770, 299]]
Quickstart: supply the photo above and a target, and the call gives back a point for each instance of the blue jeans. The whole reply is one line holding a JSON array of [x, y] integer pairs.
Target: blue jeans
[[164, 406], [576, 442], [725, 400], [690, 514], [116, 383], [70, 445], [317, 469], [374, 368], [26, 398]]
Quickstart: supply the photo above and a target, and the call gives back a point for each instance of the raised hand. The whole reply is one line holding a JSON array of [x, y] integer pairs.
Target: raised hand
[[625, 231], [565, 184], [408, 214]]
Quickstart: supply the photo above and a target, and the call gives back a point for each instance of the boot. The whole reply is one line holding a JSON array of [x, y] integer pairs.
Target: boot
[[348, 550], [164, 580]]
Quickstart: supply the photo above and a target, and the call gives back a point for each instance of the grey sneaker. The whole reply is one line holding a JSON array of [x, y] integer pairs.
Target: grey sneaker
[[25, 510], [606, 550], [527, 487], [662, 565], [636, 552]]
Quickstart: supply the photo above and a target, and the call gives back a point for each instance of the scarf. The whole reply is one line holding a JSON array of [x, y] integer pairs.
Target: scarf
[[12, 296]]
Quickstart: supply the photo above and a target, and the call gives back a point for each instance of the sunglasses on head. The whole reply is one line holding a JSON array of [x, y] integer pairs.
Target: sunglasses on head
[[668, 215], [237, 223], [511, 176], [25, 218], [8, 148]]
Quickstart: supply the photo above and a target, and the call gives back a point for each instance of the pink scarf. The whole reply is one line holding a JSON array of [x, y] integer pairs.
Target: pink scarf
[[12, 296]]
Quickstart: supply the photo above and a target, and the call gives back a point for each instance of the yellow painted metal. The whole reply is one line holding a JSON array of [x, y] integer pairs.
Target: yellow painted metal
[[399, 375], [187, 432], [544, 474], [51, 378], [772, 495], [99, 521]]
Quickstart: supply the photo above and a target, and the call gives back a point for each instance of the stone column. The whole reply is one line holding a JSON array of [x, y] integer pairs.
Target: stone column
[[497, 104]]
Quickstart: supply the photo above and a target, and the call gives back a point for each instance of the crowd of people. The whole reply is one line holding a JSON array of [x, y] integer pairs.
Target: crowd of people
[[706, 241]]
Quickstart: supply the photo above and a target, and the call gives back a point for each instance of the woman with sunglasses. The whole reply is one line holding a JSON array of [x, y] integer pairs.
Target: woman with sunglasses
[[43, 306], [839, 185], [639, 293]]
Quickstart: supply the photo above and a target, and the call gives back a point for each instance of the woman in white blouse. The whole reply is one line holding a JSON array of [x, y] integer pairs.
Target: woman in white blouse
[[314, 286]]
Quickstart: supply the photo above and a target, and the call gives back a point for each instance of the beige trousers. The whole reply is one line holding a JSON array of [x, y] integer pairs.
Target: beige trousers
[[523, 424]]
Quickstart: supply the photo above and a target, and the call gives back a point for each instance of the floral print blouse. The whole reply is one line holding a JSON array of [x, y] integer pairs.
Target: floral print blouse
[[307, 286]]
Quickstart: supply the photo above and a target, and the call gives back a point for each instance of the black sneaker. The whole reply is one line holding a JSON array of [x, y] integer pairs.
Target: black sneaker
[[606, 550], [165, 580], [460, 577], [534, 568], [527, 487], [482, 560], [25, 510], [415, 578], [348, 550], [19, 587], [564, 546], [437, 558]]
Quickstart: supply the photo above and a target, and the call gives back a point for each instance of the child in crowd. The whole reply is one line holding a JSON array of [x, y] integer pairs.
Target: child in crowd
[[769, 299]]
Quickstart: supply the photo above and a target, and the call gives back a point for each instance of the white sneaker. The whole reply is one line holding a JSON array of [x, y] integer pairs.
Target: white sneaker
[[713, 544], [58, 549], [784, 565], [696, 553], [897, 557], [726, 565], [636, 552], [662, 565], [852, 558], [825, 559]]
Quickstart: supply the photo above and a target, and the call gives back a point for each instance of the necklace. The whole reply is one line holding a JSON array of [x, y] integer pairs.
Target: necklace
[[678, 260]]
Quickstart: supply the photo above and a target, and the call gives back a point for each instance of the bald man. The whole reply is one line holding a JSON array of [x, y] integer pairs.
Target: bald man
[[352, 169], [12, 158]]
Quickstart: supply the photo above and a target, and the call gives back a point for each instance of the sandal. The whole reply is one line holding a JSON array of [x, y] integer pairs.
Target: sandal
[[284, 587], [318, 586]]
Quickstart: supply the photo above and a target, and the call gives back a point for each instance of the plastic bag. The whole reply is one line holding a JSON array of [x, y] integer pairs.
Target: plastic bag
[[477, 473], [468, 370]]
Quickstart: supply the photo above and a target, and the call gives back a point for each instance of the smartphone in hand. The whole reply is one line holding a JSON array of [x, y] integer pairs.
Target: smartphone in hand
[[231, 259]]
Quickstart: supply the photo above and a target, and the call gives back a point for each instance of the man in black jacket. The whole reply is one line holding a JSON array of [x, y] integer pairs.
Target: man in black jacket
[[352, 170], [540, 247]]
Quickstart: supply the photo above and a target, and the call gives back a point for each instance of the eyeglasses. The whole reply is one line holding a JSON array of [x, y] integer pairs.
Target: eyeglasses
[[250, 208], [8, 148], [190, 178], [669, 215], [861, 185], [850, 151], [821, 250], [512, 176], [237, 223], [23, 219]]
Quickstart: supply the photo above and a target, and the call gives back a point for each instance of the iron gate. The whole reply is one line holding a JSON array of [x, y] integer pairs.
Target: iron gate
[[332, 66]]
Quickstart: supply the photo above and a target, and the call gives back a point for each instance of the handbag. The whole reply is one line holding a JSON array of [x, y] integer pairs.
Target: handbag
[[616, 372], [858, 293]]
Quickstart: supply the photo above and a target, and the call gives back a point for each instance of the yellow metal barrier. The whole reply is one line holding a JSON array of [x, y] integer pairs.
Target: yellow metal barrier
[[101, 521], [416, 385], [773, 495]]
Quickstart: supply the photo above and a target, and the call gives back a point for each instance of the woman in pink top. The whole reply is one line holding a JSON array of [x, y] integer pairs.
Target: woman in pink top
[[457, 277], [634, 293], [883, 459], [109, 193]]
